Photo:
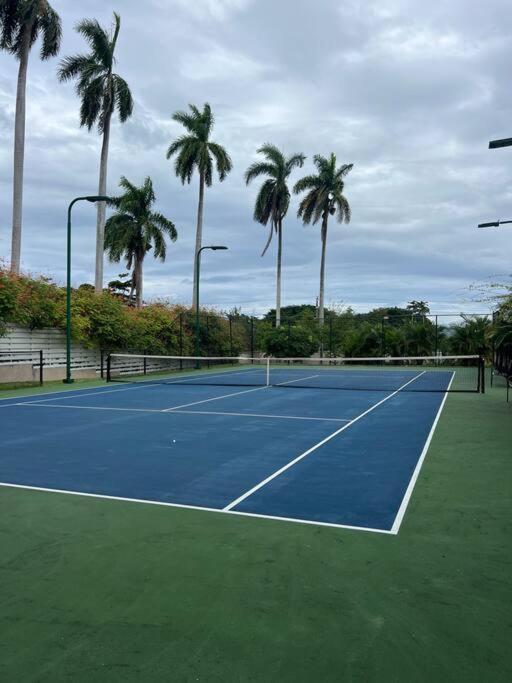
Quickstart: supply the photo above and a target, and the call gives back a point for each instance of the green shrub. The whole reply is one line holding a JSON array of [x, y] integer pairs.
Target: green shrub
[[288, 341]]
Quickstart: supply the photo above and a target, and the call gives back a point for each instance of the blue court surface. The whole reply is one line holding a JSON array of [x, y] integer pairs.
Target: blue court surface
[[346, 458]]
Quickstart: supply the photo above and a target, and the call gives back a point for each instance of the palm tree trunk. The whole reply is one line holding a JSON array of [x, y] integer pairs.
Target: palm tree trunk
[[19, 153], [199, 234], [138, 282], [322, 272], [101, 210], [278, 279], [132, 288]]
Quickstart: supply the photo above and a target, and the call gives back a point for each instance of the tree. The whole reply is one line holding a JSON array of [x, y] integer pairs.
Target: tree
[[273, 200], [418, 308], [196, 151], [101, 92], [21, 23], [135, 229], [324, 198]]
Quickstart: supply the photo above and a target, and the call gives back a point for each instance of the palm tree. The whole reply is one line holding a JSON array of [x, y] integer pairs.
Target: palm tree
[[324, 198], [21, 23], [101, 92], [195, 151], [135, 229], [273, 200]]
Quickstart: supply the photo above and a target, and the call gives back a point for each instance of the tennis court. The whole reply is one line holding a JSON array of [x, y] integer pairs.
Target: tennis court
[[235, 438]]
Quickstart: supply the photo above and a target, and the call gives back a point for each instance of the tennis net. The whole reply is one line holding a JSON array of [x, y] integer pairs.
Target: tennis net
[[420, 373]]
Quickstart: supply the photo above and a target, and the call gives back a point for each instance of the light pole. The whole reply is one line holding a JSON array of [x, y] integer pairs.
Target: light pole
[[89, 198], [384, 318], [214, 247], [492, 224]]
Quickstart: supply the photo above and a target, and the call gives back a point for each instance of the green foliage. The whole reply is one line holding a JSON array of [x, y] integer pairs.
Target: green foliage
[[288, 342], [31, 303], [134, 230], [106, 321]]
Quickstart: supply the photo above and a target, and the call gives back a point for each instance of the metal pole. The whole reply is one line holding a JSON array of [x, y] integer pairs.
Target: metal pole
[[437, 337], [181, 340], [207, 338], [68, 379], [198, 256], [40, 366], [252, 339], [91, 198], [230, 336]]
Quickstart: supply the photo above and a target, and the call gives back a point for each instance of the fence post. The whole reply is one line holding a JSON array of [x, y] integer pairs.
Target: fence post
[[230, 336], [109, 375], [252, 339], [331, 353], [181, 339], [101, 364], [41, 366], [437, 337], [207, 345]]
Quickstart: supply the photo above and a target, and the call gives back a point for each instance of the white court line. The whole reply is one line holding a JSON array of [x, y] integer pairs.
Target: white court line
[[277, 417], [104, 390], [92, 393], [215, 398], [408, 493], [181, 412], [102, 496], [60, 405], [262, 483], [291, 381]]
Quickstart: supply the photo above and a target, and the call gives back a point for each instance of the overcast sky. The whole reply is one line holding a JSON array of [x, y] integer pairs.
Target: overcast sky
[[410, 92]]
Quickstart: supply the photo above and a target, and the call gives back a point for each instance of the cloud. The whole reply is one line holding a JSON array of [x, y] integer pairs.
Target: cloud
[[408, 91]]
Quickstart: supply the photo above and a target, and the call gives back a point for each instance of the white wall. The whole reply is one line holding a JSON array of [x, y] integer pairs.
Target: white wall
[[53, 344]]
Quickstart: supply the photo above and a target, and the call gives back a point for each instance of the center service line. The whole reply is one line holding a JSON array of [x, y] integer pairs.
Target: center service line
[[248, 493]]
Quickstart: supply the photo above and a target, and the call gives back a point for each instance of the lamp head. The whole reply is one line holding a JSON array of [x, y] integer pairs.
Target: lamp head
[[493, 224], [97, 198]]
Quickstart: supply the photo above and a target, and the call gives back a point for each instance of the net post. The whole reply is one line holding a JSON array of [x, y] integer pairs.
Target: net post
[[41, 367], [109, 365]]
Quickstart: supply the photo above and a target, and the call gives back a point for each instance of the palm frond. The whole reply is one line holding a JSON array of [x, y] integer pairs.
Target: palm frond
[[123, 98], [295, 161], [52, 32], [264, 202], [98, 40], [308, 182], [90, 106], [273, 154], [222, 159], [259, 168], [73, 66]]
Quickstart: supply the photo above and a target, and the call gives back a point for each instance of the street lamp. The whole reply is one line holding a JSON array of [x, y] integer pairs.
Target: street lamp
[[88, 198], [492, 224], [214, 247]]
